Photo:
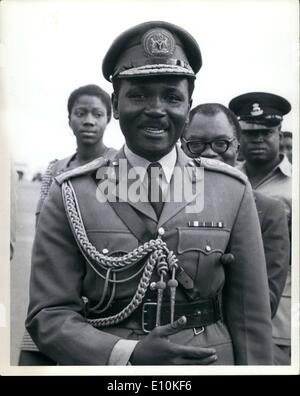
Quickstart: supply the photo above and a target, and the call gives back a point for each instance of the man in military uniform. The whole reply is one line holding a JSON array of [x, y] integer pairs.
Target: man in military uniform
[[260, 116], [126, 281], [214, 132]]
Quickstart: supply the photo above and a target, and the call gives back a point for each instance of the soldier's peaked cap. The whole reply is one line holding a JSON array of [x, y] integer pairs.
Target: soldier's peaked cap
[[260, 107], [152, 48]]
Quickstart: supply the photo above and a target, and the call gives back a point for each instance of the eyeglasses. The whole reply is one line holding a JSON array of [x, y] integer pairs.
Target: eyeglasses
[[219, 146]]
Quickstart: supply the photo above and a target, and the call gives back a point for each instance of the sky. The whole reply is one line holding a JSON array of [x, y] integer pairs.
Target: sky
[[49, 48]]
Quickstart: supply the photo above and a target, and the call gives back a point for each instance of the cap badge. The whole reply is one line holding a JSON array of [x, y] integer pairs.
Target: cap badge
[[256, 110], [158, 42]]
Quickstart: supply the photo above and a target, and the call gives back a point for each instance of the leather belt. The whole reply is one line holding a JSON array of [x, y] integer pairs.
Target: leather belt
[[199, 313]]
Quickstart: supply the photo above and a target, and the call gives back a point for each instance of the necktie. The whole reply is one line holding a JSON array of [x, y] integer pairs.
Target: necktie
[[155, 196]]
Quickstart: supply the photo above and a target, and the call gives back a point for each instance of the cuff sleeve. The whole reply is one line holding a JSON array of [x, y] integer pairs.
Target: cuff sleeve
[[121, 353]]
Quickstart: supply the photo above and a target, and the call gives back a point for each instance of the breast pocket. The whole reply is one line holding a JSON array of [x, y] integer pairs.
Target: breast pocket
[[112, 242], [199, 251]]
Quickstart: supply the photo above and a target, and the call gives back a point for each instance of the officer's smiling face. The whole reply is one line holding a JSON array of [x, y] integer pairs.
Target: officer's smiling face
[[152, 113]]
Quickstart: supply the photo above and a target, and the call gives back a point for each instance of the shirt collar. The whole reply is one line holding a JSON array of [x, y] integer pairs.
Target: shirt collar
[[167, 162], [284, 166]]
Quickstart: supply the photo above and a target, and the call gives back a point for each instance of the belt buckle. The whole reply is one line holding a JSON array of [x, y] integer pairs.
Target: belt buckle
[[200, 331], [144, 311]]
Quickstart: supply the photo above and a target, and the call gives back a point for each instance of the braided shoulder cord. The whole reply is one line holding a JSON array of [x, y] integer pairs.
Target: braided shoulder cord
[[160, 255], [75, 219]]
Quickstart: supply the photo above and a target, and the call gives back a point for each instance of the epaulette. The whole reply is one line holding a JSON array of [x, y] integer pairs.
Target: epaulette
[[82, 170], [222, 167]]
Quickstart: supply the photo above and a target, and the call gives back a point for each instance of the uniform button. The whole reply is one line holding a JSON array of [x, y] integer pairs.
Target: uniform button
[[207, 248], [104, 251], [161, 231]]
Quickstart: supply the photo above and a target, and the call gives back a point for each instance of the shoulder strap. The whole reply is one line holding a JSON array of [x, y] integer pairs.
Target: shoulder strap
[[81, 170], [220, 167]]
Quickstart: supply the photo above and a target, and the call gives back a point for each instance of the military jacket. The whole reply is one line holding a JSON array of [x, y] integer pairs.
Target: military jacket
[[225, 221]]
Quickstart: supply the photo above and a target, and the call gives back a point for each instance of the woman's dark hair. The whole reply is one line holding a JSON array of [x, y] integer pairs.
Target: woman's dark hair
[[91, 90]]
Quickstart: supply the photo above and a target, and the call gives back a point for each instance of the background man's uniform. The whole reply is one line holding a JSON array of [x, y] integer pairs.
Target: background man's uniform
[[278, 184], [276, 241]]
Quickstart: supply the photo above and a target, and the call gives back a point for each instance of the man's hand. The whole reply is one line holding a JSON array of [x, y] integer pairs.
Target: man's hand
[[156, 349]]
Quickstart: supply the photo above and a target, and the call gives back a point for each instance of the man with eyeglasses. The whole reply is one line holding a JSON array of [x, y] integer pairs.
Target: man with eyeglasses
[[206, 135], [260, 115], [214, 132]]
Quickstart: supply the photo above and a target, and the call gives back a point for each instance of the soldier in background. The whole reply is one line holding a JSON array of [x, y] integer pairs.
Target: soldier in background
[[214, 132], [260, 115]]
